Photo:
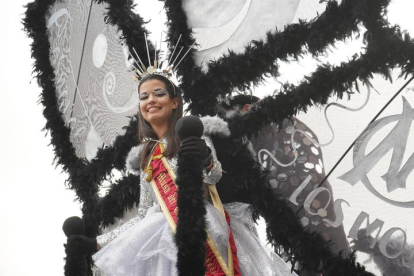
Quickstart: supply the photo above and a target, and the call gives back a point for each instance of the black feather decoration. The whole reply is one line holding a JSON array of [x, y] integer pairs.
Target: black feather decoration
[[78, 262], [328, 81], [84, 177], [387, 47], [241, 71], [121, 196], [284, 231], [191, 233]]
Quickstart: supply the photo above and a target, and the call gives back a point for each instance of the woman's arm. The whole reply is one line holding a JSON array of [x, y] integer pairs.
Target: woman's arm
[[212, 173]]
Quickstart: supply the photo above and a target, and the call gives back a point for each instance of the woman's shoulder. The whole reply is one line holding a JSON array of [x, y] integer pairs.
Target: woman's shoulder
[[133, 160], [215, 126]]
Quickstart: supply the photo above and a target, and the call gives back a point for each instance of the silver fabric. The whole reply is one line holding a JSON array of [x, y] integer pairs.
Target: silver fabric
[[145, 202], [147, 196], [218, 229], [104, 239], [214, 175], [145, 245], [148, 248], [254, 258]]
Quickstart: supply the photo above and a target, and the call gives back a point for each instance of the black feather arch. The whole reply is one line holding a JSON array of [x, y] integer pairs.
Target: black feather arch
[[387, 47], [78, 262], [260, 58], [85, 177], [191, 234], [284, 231]]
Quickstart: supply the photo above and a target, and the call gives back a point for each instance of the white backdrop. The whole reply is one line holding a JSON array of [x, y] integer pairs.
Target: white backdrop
[[33, 200]]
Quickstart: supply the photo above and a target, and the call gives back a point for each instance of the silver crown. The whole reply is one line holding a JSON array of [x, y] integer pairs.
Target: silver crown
[[157, 67]]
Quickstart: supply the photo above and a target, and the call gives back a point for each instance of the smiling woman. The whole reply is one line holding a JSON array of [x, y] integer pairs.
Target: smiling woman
[[386, 47], [147, 244], [160, 108], [156, 105]]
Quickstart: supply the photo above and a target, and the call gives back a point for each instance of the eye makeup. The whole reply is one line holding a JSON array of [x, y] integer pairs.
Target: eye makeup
[[159, 92]]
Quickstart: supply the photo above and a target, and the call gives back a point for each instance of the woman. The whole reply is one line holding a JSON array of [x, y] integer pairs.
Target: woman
[[145, 244]]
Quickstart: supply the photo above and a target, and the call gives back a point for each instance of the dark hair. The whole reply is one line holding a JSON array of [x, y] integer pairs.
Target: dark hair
[[240, 100], [145, 130]]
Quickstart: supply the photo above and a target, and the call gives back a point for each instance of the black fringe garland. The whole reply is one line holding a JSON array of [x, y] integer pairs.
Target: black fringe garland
[[122, 195], [387, 47], [84, 177], [120, 14], [338, 22], [241, 71], [78, 263], [284, 231], [191, 234], [328, 81]]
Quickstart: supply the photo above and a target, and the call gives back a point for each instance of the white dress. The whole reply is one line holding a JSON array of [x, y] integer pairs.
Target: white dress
[[145, 244]]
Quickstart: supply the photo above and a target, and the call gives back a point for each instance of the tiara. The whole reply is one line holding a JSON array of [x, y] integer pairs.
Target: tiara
[[164, 68]]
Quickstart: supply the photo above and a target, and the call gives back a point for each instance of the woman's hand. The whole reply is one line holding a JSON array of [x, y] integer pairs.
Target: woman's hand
[[198, 147]]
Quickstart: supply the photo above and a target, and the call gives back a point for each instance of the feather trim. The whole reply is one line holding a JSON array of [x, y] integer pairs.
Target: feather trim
[[215, 126], [133, 160]]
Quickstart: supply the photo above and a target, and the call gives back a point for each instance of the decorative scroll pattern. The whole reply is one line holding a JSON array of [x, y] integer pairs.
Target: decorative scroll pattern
[[99, 104]]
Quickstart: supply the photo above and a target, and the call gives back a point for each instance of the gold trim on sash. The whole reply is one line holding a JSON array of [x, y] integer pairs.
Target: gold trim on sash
[[170, 171], [219, 206]]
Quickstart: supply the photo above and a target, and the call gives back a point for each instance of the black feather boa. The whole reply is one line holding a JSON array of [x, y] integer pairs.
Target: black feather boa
[[328, 81], [191, 234], [336, 23], [284, 230], [78, 263], [119, 13], [84, 177], [122, 195], [387, 47], [241, 71]]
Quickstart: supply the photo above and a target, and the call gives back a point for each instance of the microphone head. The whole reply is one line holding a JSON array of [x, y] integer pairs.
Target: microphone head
[[73, 226], [189, 126]]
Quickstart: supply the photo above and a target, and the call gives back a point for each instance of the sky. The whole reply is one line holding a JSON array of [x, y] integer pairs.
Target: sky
[[33, 199]]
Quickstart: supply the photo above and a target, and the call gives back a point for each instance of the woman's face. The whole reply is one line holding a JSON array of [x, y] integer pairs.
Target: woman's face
[[155, 104]]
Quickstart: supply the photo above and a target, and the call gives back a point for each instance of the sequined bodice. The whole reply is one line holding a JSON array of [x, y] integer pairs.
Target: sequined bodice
[[147, 196]]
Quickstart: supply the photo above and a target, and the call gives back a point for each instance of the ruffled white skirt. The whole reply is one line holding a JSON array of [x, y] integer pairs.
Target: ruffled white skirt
[[148, 247]]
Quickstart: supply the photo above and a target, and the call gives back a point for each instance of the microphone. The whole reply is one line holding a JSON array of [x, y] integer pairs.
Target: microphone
[[73, 226], [190, 129], [189, 126]]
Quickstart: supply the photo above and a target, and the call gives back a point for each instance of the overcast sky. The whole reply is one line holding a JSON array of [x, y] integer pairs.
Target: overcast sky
[[33, 200]]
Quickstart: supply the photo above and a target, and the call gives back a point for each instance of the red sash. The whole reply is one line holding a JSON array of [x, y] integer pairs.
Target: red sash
[[163, 183]]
